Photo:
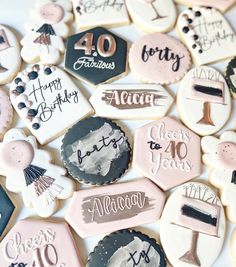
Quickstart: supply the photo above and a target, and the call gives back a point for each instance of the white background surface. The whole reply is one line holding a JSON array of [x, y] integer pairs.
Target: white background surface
[[14, 13]]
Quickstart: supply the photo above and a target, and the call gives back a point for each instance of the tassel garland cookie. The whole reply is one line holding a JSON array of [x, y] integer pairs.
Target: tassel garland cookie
[[46, 31], [29, 171], [220, 157], [10, 60]]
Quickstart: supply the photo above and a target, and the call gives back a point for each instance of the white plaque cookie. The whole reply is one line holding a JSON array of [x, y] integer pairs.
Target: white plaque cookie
[[47, 101], [131, 101]]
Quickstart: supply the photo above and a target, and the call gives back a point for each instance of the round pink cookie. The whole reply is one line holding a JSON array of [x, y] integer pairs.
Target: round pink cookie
[[159, 58], [51, 13], [6, 113], [17, 155], [226, 155]]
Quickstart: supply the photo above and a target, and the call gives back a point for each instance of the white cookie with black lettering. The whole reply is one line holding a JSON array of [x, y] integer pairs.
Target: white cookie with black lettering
[[47, 101], [106, 13], [153, 15], [207, 34], [10, 59]]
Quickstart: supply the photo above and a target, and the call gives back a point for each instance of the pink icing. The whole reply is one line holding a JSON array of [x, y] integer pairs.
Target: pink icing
[[40, 242], [51, 13], [226, 155], [109, 208], [159, 58], [167, 152], [6, 112], [17, 155]]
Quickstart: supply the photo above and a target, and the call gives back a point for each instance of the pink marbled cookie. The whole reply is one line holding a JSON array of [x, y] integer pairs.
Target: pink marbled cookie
[[6, 113], [159, 58]]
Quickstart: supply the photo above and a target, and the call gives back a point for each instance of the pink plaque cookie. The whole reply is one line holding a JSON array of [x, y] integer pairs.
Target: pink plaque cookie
[[159, 58], [167, 152], [39, 244], [114, 207]]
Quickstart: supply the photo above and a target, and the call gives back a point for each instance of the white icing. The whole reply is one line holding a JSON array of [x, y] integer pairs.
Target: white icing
[[100, 12], [99, 162], [143, 13], [157, 109], [121, 258]]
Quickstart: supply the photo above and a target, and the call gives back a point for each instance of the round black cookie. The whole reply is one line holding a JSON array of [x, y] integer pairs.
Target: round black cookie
[[96, 151], [230, 76], [127, 248]]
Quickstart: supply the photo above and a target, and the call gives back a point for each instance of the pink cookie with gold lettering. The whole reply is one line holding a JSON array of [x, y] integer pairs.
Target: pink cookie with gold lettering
[[159, 58], [39, 243], [167, 152], [110, 208], [220, 157], [6, 113]]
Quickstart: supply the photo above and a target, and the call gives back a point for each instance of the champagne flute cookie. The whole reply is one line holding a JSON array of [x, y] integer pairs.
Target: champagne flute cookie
[[6, 113], [46, 31], [220, 157], [29, 171], [10, 60]]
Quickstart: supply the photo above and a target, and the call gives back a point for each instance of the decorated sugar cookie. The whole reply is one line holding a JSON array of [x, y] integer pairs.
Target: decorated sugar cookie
[[220, 157], [131, 101], [46, 30], [105, 13], [96, 151], [167, 152], [6, 113], [43, 96], [96, 56], [222, 5], [192, 228], [127, 248], [29, 171], [230, 76], [207, 34], [10, 59], [153, 15], [7, 209], [159, 58], [39, 243], [204, 101], [105, 209]]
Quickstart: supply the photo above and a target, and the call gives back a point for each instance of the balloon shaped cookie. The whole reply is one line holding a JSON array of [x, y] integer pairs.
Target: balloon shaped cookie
[[29, 171], [220, 157]]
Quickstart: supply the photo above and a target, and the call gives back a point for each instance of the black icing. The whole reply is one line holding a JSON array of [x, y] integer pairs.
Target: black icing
[[230, 71], [195, 37], [48, 71], [33, 173], [198, 14], [199, 215], [46, 29], [233, 179], [32, 112], [94, 75], [20, 89], [6, 209], [208, 90], [77, 132], [21, 105], [111, 243], [35, 126], [185, 29], [17, 80], [33, 75]]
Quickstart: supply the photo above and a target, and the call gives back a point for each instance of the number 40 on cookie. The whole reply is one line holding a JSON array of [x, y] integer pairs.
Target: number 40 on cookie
[[96, 56]]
